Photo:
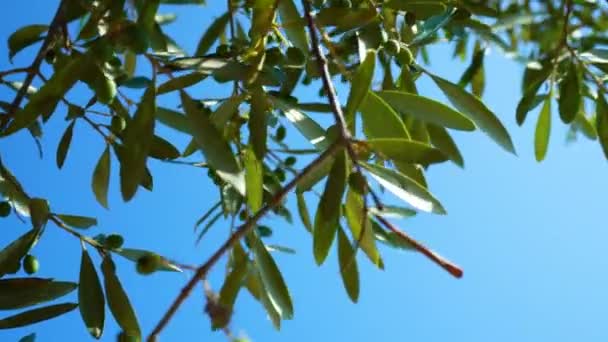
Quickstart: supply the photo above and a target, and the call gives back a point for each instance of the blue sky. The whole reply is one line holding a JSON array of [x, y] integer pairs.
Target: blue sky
[[529, 236]]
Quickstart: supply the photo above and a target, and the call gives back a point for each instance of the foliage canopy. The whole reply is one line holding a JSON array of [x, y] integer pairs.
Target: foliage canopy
[[262, 52]]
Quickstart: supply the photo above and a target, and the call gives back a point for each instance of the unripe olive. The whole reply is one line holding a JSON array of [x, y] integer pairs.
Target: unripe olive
[[280, 133], [148, 263], [274, 56], [5, 209], [243, 215], [280, 174], [289, 161], [114, 241], [392, 47], [118, 124], [30, 264], [410, 19], [405, 56], [295, 56], [223, 50]]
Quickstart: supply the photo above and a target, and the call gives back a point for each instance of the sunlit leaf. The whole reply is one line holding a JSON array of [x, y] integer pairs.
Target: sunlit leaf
[[441, 139], [24, 37], [380, 120], [254, 180], [360, 226], [360, 85], [407, 151], [293, 24], [181, 82], [308, 127], [543, 131], [348, 266], [76, 221], [212, 34]]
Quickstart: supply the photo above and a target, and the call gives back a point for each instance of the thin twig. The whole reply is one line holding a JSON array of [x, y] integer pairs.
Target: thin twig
[[239, 233], [436, 258], [55, 25]]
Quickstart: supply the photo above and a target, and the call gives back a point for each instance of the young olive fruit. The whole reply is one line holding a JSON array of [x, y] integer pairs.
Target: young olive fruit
[[280, 133], [295, 56], [289, 161], [114, 241], [392, 47], [223, 50], [117, 124], [148, 263], [5, 209], [30, 264]]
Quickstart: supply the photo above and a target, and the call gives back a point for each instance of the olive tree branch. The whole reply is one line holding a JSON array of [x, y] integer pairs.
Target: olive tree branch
[[239, 233], [32, 70], [436, 258]]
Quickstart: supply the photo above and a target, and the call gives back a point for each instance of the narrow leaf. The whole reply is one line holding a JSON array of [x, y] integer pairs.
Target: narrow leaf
[[36, 315], [441, 139], [303, 211], [348, 266], [569, 94], [101, 178], [543, 130], [212, 34], [360, 226], [273, 282], [308, 127], [17, 293], [90, 297], [254, 180], [24, 37], [425, 109], [64, 144], [327, 217], [360, 85], [293, 24], [407, 151], [471, 106], [119, 303], [380, 120], [76, 221], [601, 121], [11, 255]]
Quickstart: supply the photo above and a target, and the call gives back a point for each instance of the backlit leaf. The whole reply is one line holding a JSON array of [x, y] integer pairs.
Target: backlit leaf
[[118, 302], [212, 34], [36, 315], [327, 217], [348, 266], [380, 120], [254, 173], [64, 144], [293, 24], [543, 131], [101, 178], [360, 85], [90, 297], [308, 127], [17, 293], [441, 139], [360, 226], [76, 221], [407, 151]]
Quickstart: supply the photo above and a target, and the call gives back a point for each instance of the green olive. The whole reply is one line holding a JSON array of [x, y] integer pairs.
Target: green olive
[[148, 263], [118, 124], [5, 209], [30, 264], [289, 161], [114, 241], [392, 47], [280, 133]]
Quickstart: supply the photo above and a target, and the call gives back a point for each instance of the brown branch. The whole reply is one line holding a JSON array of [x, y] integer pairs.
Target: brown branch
[[239, 233], [55, 25], [436, 258]]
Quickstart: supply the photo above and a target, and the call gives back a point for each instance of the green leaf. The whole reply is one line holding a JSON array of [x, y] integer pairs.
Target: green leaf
[[12, 191], [36, 315], [327, 217], [348, 266], [134, 255], [181, 82], [24, 37], [119, 303], [283, 249], [391, 238], [407, 151], [64, 144], [258, 290], [146, 15], [257, 124], [39, 212], [360, 85], [471, 106], [345, 18], [207, 226], [431, 26], [254, 173], [226, 110], [212, 34], [441, 139], [17, 293], [421, 8], [405, 188], [380, 120], [543, 130], [101, 178], [11, 255], [601, 121], [138, 138], [229, 292], [308, 127], [173, 119], [303, 211], [163, 150], [273, 282], [46, 98], [392, 211], [28, 338], [101, 83], [75, 221], [533, 79], [211, 142], [425, 109], [569, 94], [90, 297], [293, 24], [360, 226]]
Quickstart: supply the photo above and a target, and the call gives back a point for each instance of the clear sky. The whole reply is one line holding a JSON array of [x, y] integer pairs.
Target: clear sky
[[529, 236]]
